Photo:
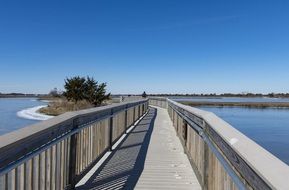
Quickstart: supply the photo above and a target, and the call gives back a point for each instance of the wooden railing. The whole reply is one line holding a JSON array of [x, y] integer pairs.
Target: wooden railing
[[57, 153], [221, 156]]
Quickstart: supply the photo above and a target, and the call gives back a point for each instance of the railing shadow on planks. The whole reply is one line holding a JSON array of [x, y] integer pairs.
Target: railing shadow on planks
[[57, 153], [221, 156]]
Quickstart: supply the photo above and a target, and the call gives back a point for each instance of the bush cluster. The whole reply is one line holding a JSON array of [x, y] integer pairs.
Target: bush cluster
[[81, 88]]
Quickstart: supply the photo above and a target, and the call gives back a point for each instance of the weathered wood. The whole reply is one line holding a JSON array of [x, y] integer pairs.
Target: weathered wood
[[22, 147], [28, 175], [138, 115], [67, 158], [204, 165], [62, 164], [21, 142], [20, 177], [134, 114], [48, 168], [58, 166], [84, 145], [210, 166], [237, 162], [80, 135], [66, 171], [100, 146], [217, 177], [73, 159], [126, 119], [110, 131], [42, 171], [35, 172], [166, 167], [118, 126], [11, 180], [130, 117], [209, 171], [53, 167], [3, 182]]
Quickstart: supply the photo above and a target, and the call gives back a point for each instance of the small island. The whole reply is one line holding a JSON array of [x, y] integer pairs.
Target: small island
[[80, 93]]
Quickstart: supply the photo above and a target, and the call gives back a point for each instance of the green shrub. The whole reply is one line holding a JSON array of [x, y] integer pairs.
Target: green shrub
[[80, 88]]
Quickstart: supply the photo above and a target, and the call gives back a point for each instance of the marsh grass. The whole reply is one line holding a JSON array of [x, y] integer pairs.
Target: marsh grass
[[61, 105]]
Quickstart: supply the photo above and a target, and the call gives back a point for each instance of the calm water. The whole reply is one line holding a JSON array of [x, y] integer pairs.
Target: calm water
[[268, 127], [227, 99], [9, 121]]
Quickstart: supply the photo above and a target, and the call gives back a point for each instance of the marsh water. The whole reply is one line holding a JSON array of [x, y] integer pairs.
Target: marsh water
[[229, 99], [14, 114], [268, 127]]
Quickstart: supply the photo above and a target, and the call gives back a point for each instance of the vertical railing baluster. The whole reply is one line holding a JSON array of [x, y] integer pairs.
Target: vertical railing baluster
[[58, 165], [133, 114], [138, 111], [110, 129], [125, 119], [72, 157], [47, 168]]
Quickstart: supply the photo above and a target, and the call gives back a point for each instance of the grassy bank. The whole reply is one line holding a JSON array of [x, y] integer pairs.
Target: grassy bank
[[59, 106], [239, 104]]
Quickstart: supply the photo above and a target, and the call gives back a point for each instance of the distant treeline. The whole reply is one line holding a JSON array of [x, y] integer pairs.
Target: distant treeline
[[270, 95], [17, 95]]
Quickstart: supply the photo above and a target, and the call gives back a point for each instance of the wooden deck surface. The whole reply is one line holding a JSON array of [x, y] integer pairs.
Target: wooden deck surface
[[150, 157]]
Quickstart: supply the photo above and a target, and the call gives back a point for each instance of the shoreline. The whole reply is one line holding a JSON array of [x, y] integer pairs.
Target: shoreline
[[239, 104], [33, 114]]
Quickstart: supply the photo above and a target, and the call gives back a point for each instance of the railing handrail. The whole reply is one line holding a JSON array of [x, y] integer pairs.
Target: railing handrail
[[268, 167], [13, 147]]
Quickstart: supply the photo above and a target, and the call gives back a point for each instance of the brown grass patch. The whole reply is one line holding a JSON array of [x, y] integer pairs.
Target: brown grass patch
[[60, 106]]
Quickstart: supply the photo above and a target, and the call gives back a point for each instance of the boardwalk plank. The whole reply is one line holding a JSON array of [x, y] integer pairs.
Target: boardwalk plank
[[150, 157]]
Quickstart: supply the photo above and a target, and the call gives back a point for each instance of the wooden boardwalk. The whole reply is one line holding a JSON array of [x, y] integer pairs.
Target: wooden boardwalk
[[150, 157]]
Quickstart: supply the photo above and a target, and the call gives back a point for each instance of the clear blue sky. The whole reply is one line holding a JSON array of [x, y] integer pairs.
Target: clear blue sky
[[159, 46]]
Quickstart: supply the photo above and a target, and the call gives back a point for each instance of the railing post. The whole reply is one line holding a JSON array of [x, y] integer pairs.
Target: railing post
[[185, 131], [125, 119], [206, 168], [110, 129], [72, 157], [138, 112], [206, 163], [134, 114], [143, 109], [148, 105]]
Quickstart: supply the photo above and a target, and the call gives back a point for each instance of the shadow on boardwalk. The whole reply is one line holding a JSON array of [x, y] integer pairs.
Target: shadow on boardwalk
[[124, 166]]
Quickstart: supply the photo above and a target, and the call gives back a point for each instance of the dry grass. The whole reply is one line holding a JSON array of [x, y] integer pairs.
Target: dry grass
[[60, 106]]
